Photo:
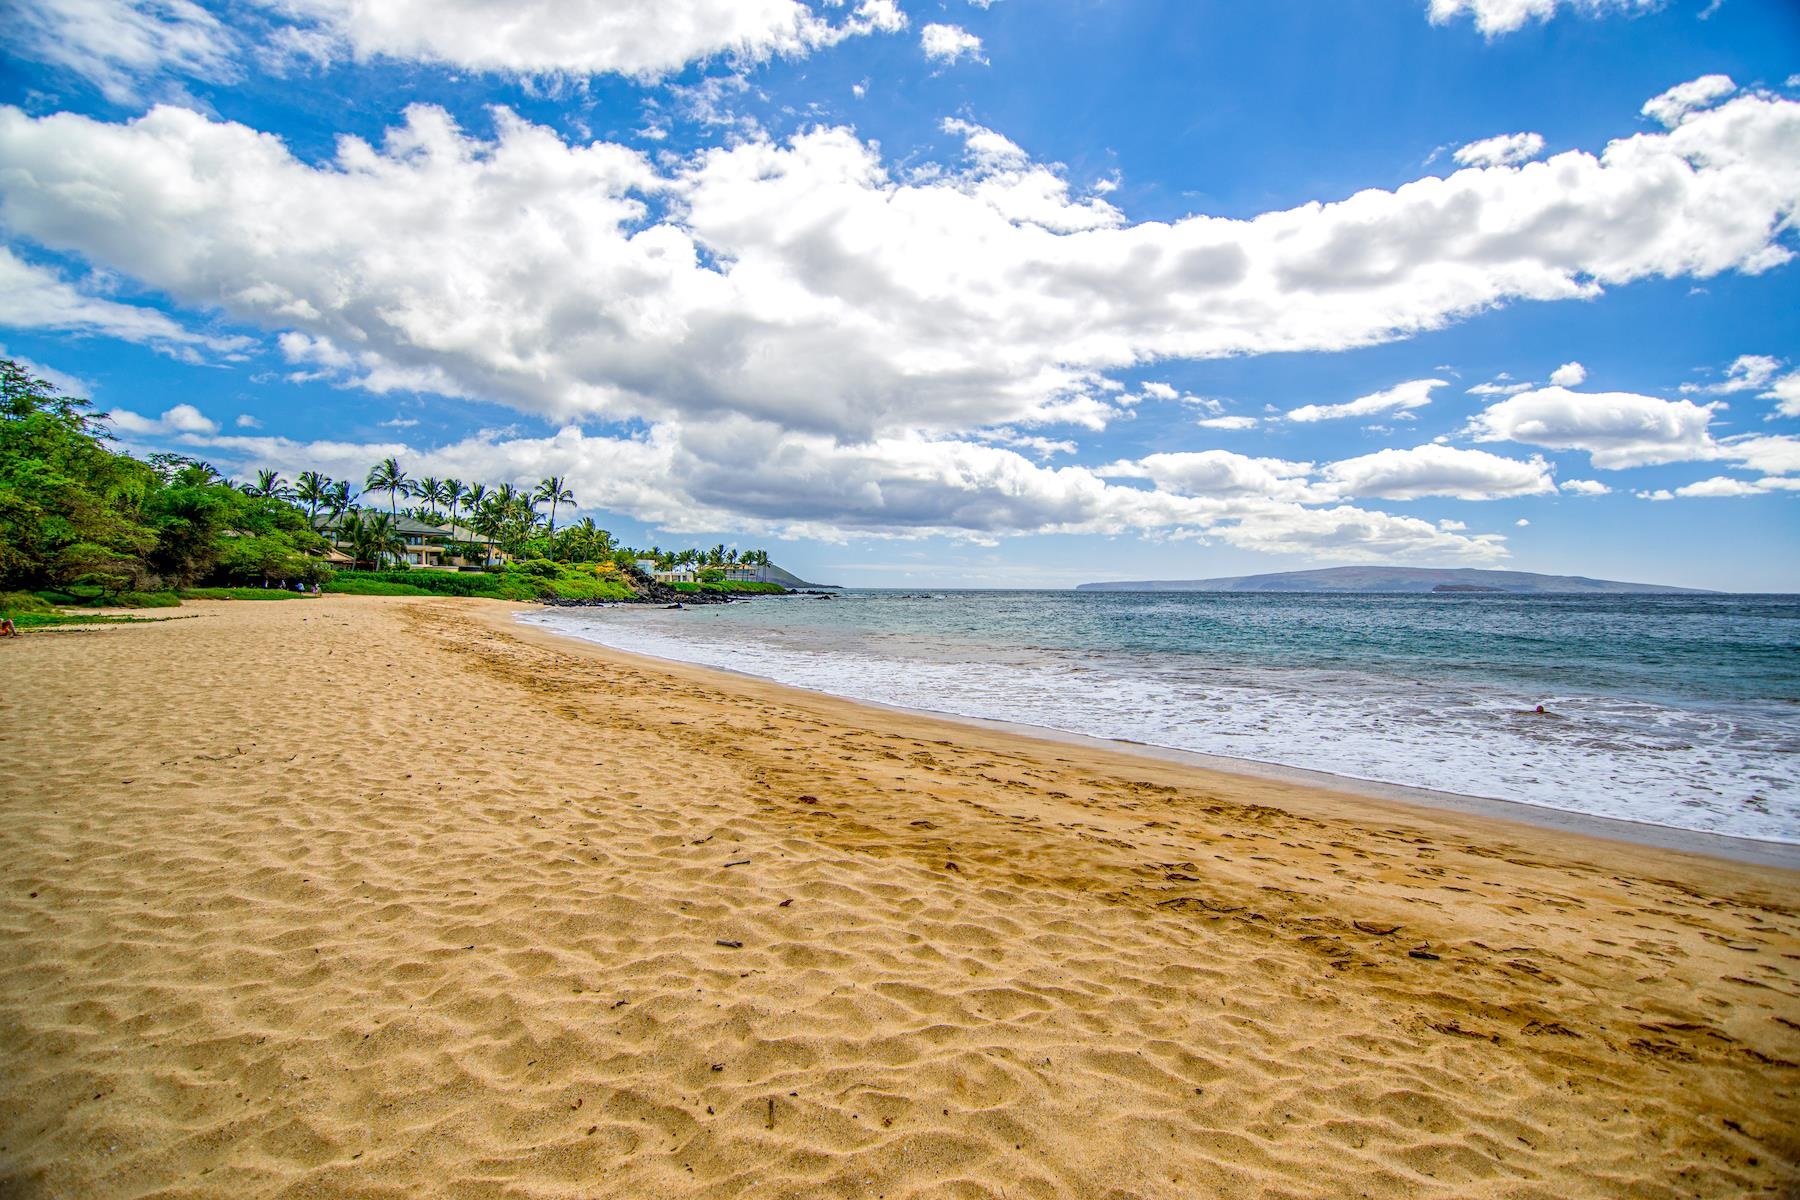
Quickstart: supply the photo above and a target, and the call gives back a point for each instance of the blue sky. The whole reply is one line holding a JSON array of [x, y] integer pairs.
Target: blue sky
[[1026, 292]]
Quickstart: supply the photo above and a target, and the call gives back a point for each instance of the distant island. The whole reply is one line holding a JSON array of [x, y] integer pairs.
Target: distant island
[[1396, 579]]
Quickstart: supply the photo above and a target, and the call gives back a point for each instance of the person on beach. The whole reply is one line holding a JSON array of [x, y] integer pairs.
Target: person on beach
[[7, 628]]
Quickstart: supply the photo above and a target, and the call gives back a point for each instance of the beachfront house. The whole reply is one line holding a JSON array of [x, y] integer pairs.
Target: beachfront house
[[725, 572], [429, 546]]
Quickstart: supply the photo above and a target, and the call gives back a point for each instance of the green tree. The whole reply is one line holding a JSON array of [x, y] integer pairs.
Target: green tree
[[386, 476], [312, 490], [431, 490], [339, 499], [556, 491], [453, 493], [269, 485], [69, 507], [372, 537]]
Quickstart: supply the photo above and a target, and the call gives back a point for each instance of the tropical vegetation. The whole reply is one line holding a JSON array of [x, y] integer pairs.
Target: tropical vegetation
[[82, 522]]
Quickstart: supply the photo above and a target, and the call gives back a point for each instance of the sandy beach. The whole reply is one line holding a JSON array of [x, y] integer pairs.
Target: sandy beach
[[371, 897]]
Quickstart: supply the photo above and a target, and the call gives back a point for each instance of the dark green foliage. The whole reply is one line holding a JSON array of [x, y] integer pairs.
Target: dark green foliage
[[732, 588], [79, 517], [67, 503]]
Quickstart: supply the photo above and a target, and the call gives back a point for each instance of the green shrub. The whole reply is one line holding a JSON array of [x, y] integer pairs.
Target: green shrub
[[582, 586], [734, 588], [13, 604]]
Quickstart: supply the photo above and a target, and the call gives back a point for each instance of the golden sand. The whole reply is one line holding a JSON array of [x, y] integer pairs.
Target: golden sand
[[361, 897]]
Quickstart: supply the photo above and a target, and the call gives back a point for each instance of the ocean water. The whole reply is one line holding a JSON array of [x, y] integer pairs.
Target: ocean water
[[1681, 711]]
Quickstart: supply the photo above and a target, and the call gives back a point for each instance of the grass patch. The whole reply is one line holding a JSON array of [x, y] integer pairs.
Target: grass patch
[[14, 604], [539, 581], [240, 593], [141, 600], [351, 586]]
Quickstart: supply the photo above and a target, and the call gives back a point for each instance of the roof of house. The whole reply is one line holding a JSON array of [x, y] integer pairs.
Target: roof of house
[[407, 527]]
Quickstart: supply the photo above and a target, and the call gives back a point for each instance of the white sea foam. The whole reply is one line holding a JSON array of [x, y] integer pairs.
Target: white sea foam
[[1714, 769]]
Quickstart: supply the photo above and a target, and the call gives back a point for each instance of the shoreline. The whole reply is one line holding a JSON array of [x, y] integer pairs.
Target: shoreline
[[1752, 851], [400, 896]]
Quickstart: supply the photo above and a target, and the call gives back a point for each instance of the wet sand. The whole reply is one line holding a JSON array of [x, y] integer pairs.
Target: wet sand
[[367, 897]]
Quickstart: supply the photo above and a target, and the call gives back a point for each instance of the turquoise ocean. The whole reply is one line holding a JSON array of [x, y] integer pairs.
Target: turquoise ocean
[[1681, 711]]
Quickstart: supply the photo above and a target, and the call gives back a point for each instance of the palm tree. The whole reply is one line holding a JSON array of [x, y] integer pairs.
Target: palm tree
[[384, 538], [197, 474], [339, 498], [371, 537], [599, 539], [430, 490], [488, 520], [555, 490], [312, 492], [347, 532], [452, 493], [387, 477], [269, 486], [507, 507]]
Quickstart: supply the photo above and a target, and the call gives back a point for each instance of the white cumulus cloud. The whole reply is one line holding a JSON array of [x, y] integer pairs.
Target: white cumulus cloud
[[1617, 429], [831, 314], [1433, 470], [1585, 487], [1720, 486], [643, 38], [182, 418], [1504, 150], [947, 43], [764, 481], [801, 280], [120, 44], [1570, 374], [34, 297], [117, 45], [1493, 17], [1221, 473], [1786, 394], [1415, 393], [1747, 373], [1680, 102]]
